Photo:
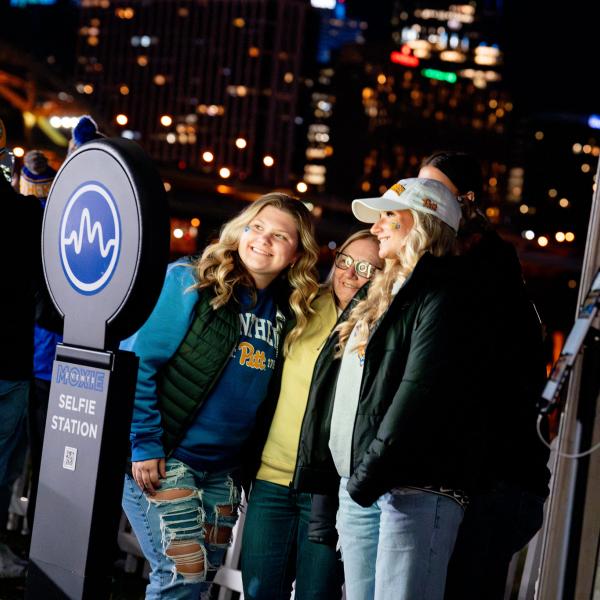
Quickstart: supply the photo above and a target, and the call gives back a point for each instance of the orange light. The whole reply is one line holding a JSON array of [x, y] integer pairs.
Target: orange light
[[195, 222], [124, 90]]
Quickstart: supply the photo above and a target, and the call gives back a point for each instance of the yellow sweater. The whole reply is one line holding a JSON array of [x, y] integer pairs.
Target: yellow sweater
[[279, 454]]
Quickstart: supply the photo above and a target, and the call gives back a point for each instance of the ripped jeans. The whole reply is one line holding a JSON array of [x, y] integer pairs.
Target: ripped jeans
[[184, 539]]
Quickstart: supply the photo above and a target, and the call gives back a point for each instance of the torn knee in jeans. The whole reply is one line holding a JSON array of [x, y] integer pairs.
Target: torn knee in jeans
[[227, 510], [181, 530], [172, 494], [221, 534], [189, 558]]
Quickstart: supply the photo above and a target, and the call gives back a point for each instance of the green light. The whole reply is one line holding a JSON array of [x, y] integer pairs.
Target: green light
[[439, 75]]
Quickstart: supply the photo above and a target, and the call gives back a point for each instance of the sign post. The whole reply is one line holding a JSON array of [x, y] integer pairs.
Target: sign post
[[105, 245]]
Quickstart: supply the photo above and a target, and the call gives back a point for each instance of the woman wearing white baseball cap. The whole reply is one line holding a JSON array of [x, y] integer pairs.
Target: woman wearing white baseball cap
[[395, 407]]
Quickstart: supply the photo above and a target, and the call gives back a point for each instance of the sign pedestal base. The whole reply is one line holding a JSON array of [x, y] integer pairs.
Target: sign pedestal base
[[79, 496]]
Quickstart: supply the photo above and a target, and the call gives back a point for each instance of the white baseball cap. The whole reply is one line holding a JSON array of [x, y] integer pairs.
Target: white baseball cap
[[420, 194]]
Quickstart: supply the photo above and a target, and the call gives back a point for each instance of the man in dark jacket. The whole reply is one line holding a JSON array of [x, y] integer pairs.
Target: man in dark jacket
[[20, 228], [509, 371]]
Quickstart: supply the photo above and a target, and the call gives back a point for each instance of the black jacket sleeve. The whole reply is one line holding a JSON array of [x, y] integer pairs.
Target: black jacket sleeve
[[321, 526]]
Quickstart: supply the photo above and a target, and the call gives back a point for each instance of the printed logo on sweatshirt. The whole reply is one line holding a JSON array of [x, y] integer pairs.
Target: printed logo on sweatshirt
[[260, 329], [249, 357]]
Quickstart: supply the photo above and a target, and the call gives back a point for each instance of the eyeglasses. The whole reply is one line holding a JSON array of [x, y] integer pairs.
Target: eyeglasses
[[362, 268]]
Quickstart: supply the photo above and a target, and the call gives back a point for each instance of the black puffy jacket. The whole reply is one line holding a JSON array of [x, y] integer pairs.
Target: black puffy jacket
[[416, 422]]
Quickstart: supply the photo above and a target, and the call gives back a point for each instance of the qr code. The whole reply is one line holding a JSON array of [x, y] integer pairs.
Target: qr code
[[70, 458]]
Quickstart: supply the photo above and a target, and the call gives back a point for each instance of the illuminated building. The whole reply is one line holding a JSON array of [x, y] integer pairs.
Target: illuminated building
[[189, 79], [335, 31], [438, 83]]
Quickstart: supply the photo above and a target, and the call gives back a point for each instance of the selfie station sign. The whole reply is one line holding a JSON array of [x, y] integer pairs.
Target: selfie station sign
[[105, 245]]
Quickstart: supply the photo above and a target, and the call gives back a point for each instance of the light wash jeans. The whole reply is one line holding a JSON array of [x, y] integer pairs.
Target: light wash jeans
[[399, 547], [199, 523]]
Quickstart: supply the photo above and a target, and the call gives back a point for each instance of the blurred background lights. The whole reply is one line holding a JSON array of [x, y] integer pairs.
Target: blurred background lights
[[241, 143], [166, 121], [208, 156], [301, 187], [268, 161], [542, 241], [224, 172]]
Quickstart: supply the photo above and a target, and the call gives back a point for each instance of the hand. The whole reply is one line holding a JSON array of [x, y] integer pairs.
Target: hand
[[147, 474]]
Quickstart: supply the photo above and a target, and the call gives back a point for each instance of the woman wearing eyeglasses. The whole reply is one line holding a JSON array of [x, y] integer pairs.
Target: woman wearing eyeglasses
[[276, 549], [388, 424]]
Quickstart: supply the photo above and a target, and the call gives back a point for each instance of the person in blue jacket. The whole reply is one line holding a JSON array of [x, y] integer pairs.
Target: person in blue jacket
[[207, 355]]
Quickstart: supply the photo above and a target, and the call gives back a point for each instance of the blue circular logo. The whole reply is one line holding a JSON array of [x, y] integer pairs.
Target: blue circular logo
[[90, 238]]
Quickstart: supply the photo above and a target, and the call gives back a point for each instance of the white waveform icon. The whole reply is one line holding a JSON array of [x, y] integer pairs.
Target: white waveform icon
[[91, 231]]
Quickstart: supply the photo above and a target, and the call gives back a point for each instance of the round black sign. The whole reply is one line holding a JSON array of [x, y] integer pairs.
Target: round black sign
[[105, 242]]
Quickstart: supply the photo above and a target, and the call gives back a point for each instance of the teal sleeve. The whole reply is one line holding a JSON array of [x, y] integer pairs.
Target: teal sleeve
[[154, 344]]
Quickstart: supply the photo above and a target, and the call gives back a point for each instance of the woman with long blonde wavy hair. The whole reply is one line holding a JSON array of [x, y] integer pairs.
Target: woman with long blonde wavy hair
[[393, 408], [207, 355]]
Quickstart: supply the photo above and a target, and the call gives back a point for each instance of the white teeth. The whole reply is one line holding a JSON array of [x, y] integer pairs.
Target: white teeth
[[259, 251]]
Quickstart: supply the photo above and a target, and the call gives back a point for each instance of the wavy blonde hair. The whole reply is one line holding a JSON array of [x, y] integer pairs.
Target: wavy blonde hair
[[221, 268], [428, 234]]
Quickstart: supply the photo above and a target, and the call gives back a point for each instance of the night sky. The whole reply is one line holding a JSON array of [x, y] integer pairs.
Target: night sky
[[551, 50], [552, 53]]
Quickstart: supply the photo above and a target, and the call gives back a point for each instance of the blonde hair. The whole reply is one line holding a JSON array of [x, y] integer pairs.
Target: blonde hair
[[221, 268], [428, 234]]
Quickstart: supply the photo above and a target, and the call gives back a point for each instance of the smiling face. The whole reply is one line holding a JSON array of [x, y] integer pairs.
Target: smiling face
[[268, 244], [345, 281], [391, 230]]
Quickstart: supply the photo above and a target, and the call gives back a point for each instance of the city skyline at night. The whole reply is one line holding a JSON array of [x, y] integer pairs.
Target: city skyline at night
[[330, 101]]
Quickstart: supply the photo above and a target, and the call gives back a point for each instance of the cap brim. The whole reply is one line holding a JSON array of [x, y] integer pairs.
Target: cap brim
[[367, 210]]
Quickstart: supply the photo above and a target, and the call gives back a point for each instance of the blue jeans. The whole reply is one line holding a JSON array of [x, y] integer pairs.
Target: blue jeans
[[13, 438], [276, 549], [13, 414], [497, 524], [399, 547], [184, 539]]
